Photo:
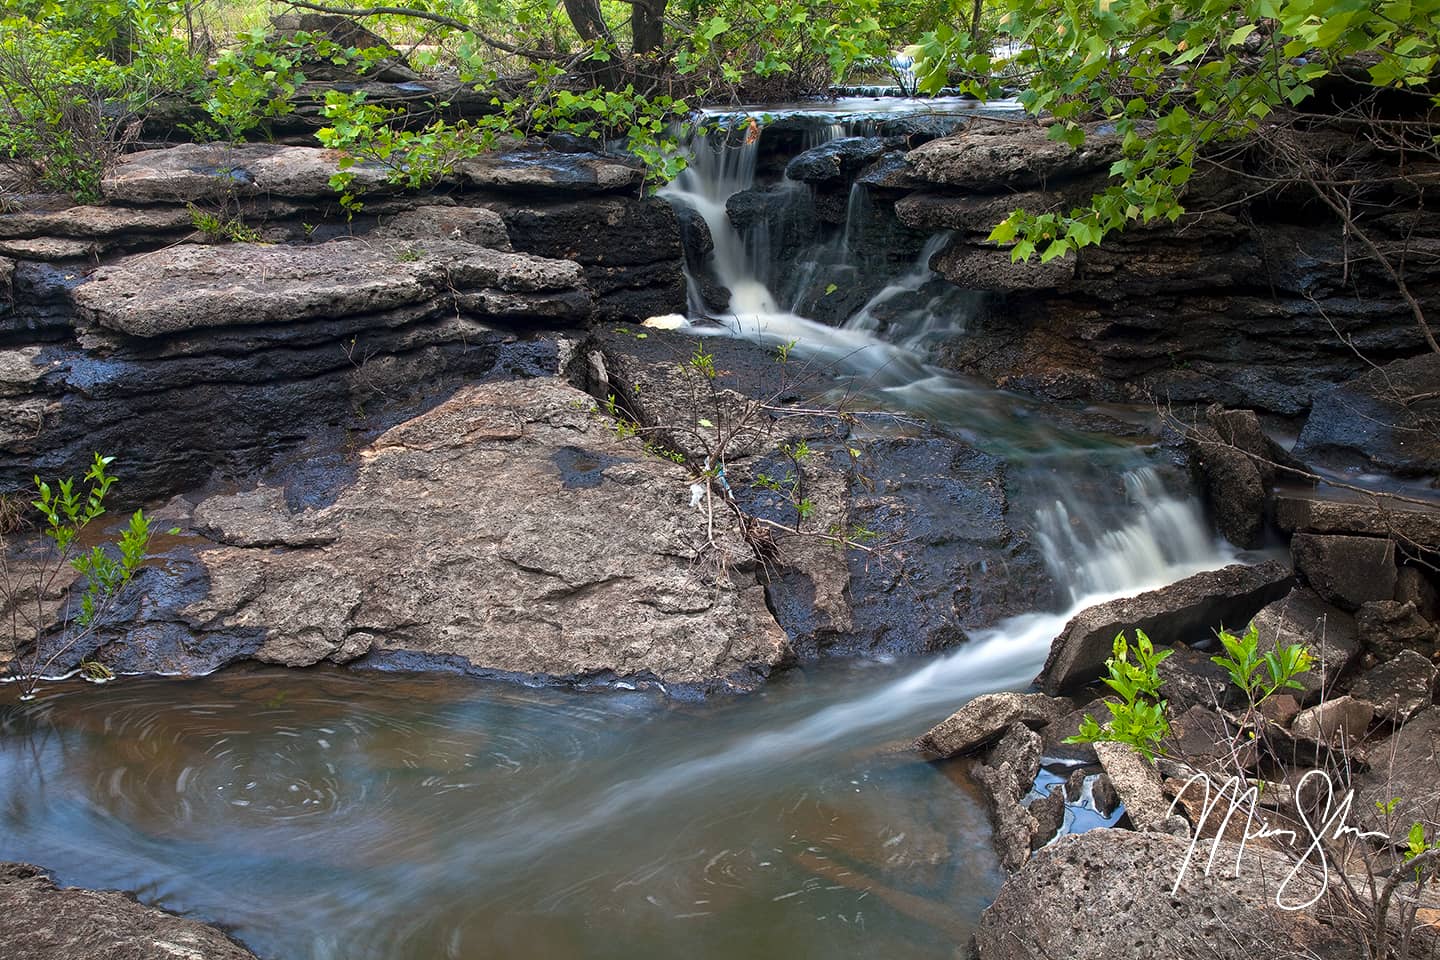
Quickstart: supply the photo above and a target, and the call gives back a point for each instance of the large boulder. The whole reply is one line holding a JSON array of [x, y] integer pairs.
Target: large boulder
[[46, 922], [1346, 571], [1078, 898], [1388, 417], [1188, 610], [507, 531]]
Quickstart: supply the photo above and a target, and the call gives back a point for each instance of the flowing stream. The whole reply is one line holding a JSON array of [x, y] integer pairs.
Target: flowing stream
[[333, 815]]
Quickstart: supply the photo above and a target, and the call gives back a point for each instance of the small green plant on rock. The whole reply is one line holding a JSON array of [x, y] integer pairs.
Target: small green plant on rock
[[1137, 714], [106, 571], [1261, 676], [218, 228]]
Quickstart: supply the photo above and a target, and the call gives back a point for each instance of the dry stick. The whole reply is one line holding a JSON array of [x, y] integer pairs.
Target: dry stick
[[1352, 227], [1425, 860]]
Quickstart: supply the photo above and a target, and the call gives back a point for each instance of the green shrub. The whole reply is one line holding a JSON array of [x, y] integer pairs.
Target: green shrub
[[1137, 714]]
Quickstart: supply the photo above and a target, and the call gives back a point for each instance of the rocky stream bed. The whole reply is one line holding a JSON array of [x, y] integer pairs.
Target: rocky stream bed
[[390, 447]]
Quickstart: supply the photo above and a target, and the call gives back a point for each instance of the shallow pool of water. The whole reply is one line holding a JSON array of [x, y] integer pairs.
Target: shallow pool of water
[[326, 814]]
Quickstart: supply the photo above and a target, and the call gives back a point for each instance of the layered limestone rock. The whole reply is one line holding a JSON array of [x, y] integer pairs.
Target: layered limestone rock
[[114, 317]]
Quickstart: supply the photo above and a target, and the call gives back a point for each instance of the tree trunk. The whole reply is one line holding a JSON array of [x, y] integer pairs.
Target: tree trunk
[[585, 15], [975, 22], [647, 25]]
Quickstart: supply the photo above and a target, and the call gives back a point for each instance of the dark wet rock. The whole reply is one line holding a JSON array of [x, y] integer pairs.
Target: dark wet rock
[[991, 269], [889, 172], [1344, 719], [1191, 678], [1414, 586], [1405, 766], [1102, 791], [1007, 775], [1330, 634], [188, 287], [1399, 688], [1234, 486], [1388, 628], [461, 539], [629, 248], [976, 214], [1137, 783], [1064, 727], [1184, 611], [1242, 430], [963, 563], [45, 922], [836, 161], [1387, 418], [999, 157], [951, 561], [984, 719], [549, 172], [1346, 571], [1049, 814], [478, 225], [1382, 517], [1048, 909], [1216, 308]]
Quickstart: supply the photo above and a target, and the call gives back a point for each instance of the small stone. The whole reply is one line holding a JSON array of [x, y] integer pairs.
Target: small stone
[[1280, 709], [1344, 718], [984, 719], [1399, 688], [1107, 800], [1049, 814], [1137, 783]]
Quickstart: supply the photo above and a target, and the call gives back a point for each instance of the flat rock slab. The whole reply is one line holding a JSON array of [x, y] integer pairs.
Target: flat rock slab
[[200, 172], [546, 171], [1187, 610], [1300, 513], [1107, 893], [44, 922], [509, 528], [89, 221], [189, 287], [1000, 157]]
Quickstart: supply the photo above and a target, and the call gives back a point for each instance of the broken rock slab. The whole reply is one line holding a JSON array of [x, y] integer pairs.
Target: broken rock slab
[[1188, 610], [984, 719], [507, 530]]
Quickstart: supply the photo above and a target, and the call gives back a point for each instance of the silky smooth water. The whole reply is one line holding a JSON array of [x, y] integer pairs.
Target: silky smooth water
[[332, 815]]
